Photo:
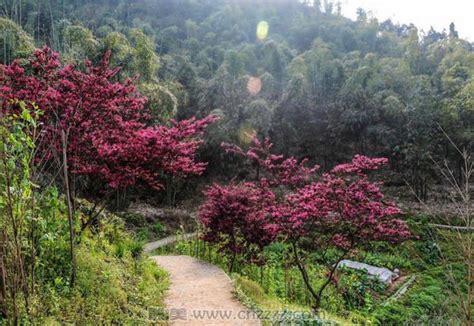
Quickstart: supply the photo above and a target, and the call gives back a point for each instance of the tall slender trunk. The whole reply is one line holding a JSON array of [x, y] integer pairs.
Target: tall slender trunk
[[304, 274], [328, 280], [3, 289], [70, 213], [233, 257], [317, 296], [232, 262]]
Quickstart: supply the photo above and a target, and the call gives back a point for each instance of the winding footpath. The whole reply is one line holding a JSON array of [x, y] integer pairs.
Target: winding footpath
[[200, 293], [150, 246]]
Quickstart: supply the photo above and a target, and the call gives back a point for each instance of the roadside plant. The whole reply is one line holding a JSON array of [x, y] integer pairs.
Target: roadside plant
[[342, 210], [237, 217], [17, 213], [335, 211], [97, 128]]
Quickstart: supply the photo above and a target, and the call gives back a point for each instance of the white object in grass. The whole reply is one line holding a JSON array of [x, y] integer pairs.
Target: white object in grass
[[383, 274]]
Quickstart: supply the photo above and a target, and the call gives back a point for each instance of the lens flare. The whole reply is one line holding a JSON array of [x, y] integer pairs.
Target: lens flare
[[247, 134], [254, 85], [262, 30]]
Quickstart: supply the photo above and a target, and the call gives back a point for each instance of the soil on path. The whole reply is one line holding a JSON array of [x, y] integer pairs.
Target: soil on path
[[201, 294], [149, 247]]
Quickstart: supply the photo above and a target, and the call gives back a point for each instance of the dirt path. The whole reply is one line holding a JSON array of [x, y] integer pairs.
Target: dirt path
[[201, 294], [149, 247]]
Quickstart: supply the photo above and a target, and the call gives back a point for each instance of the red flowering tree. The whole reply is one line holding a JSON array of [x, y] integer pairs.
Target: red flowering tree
[[278, 170], [237, 217], [93, 125], [110, 136], [342, 210]]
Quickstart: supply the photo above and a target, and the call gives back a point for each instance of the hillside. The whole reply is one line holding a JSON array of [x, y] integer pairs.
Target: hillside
[[287, 136], [328, 87]]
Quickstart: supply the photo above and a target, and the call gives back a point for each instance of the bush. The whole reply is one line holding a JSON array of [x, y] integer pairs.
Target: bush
[[389, 261], [114, 284]]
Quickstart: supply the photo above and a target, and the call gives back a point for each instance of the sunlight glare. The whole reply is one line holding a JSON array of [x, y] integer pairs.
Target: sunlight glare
[[254, 85], [247, 134], [262, 30]]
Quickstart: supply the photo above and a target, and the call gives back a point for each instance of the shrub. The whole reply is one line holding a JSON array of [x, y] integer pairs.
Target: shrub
[[114, 285]]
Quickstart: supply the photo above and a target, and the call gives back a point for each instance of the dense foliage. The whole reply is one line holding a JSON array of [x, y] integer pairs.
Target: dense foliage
[[342, 210], [237, 217], [113, 282], [109, 132], [320, 85]]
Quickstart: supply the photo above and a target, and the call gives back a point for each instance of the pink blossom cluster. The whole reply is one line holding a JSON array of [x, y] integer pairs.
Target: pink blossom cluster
[[239, 217], [281, 171], [340, 208], [110, 134], [345, 211]]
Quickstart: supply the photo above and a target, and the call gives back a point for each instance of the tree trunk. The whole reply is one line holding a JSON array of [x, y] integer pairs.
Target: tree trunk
[[232, 262], [317, 296], [329, 279], [234, 254], [304, 274], [3, 291], [70, 212]]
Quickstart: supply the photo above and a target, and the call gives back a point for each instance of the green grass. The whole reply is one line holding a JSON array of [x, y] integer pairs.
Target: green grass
[[114, 284], [356, 298], [254, 297], [428, 302]]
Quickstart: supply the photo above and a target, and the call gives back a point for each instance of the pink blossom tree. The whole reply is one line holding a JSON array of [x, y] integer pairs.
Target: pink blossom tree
[[342, 210], [110, 136], [275, 168], [339, 209], [238, 218]]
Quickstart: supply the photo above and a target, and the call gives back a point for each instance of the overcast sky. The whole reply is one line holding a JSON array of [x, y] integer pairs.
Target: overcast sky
[[423, 13]]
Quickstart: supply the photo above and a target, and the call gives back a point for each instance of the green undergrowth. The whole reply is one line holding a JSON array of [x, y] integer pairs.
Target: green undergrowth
[[428, 302], [355, 298], [272, 311], [115, 284], [149, 223]]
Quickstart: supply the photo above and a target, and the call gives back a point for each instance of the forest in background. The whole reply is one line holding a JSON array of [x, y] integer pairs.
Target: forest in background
[[319, 85]]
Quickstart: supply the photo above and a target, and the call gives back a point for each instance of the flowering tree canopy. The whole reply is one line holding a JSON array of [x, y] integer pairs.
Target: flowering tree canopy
[[238, 218], [341, 208], [109, 132], [281, 171]]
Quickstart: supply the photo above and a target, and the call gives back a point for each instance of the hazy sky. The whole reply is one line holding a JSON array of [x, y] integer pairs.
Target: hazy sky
[[423, 13]]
